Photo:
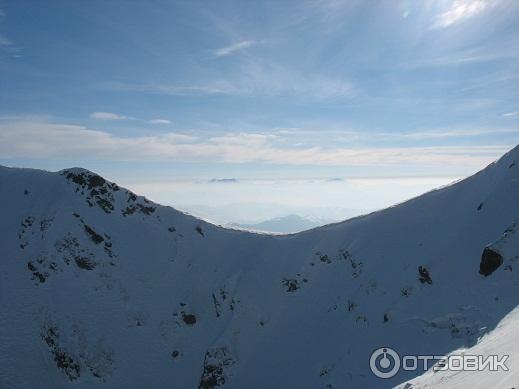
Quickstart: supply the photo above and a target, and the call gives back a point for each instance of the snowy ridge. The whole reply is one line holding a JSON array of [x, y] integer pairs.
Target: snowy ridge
[[101, 287]]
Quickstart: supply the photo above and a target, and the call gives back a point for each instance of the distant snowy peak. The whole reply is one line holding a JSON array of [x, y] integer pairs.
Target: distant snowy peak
[[285, 224], [223, 181]]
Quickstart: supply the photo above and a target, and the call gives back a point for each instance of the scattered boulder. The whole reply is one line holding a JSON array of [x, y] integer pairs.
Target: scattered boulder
[[324, 258], [217, 362], [95, 181], [42, 267], [71, 251], [45, 224], [490, 261], [64, 361], [67, 364], [293, 284], [356, 265], [131, 209], [85, 263], [362, 321], [28, 221], [406, 291], [37, 275], [424, 276], [189, 318], [96, 238], [325, 370], [95, 188]]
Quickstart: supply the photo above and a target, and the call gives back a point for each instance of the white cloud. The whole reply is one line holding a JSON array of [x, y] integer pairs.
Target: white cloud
[[159, 121], [510, 114], [39, 139], [108, 116], [227, 50], [459, 11], [293, 135]]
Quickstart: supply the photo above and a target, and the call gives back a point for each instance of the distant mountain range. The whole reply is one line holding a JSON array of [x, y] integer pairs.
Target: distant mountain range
[[285, 224], [248, 214]]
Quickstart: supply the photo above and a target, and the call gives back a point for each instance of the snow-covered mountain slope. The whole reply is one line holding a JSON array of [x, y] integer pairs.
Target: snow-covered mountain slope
[[100, 287]]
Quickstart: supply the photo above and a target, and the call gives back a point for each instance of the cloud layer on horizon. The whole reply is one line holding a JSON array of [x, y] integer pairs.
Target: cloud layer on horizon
[[42, 139]]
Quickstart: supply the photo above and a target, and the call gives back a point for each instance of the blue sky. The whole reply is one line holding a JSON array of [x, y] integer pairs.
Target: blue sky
[[156, 91]]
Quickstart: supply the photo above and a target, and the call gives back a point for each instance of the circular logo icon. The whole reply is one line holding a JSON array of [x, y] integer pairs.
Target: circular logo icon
[[384, 362]]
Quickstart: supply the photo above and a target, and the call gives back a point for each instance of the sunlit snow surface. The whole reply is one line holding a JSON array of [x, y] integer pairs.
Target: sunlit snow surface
[[503, 340]]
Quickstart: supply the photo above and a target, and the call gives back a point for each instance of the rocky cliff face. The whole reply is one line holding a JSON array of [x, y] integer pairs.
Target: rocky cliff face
[[101, 287]]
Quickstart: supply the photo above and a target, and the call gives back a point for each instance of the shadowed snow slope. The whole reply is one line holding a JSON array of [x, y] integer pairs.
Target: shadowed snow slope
[[100, 287]]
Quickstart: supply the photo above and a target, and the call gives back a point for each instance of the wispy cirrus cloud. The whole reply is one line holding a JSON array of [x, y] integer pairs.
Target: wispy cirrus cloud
[[231, 49], [109, 116], [254, 79], [459, 11]]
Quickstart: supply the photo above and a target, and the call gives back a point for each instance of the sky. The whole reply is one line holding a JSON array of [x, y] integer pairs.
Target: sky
[[298, 105]]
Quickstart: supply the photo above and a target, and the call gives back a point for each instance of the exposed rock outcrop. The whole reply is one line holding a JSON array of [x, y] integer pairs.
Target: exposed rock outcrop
[[490, 261]]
